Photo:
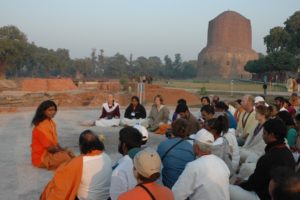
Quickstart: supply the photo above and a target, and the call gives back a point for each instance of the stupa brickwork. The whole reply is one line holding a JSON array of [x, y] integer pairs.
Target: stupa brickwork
[[229, 47]]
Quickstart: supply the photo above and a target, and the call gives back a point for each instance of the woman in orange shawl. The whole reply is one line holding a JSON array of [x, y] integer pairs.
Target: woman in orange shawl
[[45, 150]]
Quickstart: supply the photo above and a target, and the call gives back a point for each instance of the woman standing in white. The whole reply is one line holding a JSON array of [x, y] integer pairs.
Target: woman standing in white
[[110, 115]]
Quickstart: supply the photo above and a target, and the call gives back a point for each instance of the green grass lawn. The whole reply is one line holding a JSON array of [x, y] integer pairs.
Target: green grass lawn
[[221, 85]]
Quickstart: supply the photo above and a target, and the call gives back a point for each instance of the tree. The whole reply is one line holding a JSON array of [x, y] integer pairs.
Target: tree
[[116, 66], [277, 61], [94, 60], [12, 44], [84, 66], [277, 39], [155, 65], [256, 66], [292, 26], [283, 48], [189, 69], [281, 61], [177, 65], [168, 67]]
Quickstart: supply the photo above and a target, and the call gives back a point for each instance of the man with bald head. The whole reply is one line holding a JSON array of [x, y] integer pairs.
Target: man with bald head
[[247, 122], [84, 177]]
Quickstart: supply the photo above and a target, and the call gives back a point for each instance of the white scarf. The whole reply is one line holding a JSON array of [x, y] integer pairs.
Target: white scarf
[[106, 107], [160, 107]]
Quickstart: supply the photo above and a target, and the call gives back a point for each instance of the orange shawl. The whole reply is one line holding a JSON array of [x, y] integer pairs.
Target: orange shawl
[[66, 180], [48, 127], [43, 136]]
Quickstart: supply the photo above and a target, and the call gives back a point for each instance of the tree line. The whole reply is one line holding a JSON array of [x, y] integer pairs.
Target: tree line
[[283, 49], [20, 58]]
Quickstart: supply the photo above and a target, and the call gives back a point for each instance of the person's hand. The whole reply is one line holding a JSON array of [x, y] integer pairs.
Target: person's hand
[[201, 124], [238, 181], [245, 136], [53, 149], [70, 152]]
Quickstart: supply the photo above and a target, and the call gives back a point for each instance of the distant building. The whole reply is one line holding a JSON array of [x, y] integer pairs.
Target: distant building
[[229, 47]]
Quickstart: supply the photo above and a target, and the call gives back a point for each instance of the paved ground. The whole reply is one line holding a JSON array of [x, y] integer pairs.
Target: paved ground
[[18, 179]]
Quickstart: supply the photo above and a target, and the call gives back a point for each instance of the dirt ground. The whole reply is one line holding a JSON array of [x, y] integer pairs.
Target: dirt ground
[[31, 92], [19, 180]]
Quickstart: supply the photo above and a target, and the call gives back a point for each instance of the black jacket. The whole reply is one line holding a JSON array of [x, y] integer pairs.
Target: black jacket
[[137, 113], [277, 154]]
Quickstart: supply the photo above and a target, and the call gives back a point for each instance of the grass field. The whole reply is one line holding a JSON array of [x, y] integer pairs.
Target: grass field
[[222, 85]]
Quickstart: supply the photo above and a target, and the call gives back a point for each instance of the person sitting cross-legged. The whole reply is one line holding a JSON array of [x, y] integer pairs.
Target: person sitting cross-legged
[[146, 171], [184, 113], [135, 113], [110, 115], [46, 152], [276, 154], [86, 176], [205, 178], [175, 152], [122, 179], [159, 114]]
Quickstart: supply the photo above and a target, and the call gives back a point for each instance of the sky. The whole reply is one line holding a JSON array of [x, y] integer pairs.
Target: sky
[[138, 27]]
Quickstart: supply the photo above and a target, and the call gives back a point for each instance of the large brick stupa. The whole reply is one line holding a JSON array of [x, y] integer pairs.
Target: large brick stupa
[[229, 47]]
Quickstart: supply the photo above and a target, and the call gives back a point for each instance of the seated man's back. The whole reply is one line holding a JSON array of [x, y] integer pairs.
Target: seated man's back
[[86, 177], [96, 174], [206, 178]]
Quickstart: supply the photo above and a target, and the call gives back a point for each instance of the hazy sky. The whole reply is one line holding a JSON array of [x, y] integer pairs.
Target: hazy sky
[[141, 27]]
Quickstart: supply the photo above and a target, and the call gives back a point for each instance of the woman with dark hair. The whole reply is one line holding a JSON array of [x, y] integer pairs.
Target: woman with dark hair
[[239, 109], [217, 127], [289, 107], [223, 108], [135, 113], [291, 135], [159, 114], [45, 150], [175, 152], [110, 115], [175, 114], [205, 100]]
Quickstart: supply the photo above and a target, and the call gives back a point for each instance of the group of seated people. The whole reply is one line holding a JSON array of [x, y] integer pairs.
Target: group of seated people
[[245, 149], [135, 113]]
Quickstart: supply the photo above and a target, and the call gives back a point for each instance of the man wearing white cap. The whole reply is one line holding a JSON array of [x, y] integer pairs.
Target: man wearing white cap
[[205, 178], [259, 100], [146, 170], [144, 133]]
